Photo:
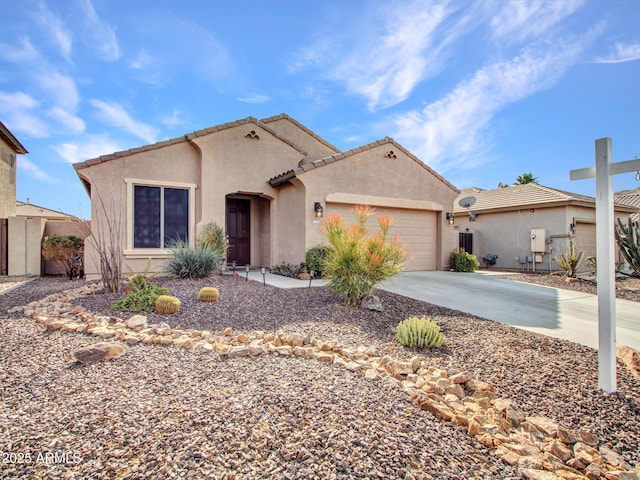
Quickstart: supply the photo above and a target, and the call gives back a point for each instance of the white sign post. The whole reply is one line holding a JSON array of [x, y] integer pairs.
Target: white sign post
[[605, 256]]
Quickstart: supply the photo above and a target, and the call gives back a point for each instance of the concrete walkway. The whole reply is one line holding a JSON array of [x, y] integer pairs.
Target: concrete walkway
[[550, 311]]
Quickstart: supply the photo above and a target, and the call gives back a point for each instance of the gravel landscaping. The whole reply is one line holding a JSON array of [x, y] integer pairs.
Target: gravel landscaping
[[164, 412]]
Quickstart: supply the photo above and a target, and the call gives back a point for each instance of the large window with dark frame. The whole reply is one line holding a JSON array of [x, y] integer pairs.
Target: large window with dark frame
[[160, 216]]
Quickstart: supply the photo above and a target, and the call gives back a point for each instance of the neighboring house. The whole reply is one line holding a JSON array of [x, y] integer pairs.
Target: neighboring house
[[10, 148], [630, 197], [527, 226], [48, 222], [267, 182]]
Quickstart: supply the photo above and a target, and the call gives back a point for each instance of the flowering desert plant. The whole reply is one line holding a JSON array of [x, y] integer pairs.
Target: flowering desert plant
[[356, 260]]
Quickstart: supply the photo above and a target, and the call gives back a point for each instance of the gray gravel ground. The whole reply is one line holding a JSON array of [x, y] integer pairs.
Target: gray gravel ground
[[161, 412]]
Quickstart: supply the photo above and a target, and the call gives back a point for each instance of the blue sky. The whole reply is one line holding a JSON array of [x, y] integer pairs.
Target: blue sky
[[482, 91]]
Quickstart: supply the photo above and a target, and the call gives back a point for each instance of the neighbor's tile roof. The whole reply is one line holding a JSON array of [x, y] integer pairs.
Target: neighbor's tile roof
[[8, 137], [290, 174], [530, 195], [630, 197]]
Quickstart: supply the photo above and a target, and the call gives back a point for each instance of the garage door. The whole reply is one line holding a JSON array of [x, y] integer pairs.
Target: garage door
[[585, 240], [417, 229]]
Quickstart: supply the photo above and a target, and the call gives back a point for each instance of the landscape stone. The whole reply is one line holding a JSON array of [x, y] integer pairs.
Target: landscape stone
[[99, 352], [372, 302]]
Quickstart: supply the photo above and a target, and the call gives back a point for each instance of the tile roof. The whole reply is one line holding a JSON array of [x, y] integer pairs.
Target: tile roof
[[284, 116], [529, 195], [290, 174], [8, 137], [186, 138], [630, 197]]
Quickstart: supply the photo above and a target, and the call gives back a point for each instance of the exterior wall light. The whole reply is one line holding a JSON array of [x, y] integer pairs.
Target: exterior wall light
[[450, 217], [319, 211], [572, 228]]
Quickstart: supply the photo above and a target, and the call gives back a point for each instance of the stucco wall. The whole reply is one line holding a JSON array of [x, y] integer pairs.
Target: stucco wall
[[507, 234], [7, 181], [174, 163], [314, 148], [290, 215], [371, 173]]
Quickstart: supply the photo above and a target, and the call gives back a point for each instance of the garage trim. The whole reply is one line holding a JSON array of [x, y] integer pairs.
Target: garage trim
[[383, 202]]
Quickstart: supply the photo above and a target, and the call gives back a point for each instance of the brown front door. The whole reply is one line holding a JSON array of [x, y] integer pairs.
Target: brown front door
[[238, 231]]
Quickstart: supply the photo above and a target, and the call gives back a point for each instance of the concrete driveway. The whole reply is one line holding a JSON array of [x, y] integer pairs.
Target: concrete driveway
[[558, 313]]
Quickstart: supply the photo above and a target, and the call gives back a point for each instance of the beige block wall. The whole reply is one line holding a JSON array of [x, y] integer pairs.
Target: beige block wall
[[25, 245], [80, 228], [7, 182]]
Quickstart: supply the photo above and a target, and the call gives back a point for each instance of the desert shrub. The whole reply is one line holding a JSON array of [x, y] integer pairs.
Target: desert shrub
[[314, 259], [193, 261], [140, 295], [463, 262], [166, 304], [208, 294], [421, 332], [288, 269], [62, 250], [212, 235], [569, 260], [592, 262], [357, 261], [628, 240]]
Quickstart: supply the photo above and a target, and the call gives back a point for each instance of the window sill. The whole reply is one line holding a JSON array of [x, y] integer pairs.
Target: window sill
[[147, 253]]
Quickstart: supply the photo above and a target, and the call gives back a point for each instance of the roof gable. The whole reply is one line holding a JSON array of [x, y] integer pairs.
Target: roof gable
[[286, 176], [9, 138], [284, 116], [185, 138]]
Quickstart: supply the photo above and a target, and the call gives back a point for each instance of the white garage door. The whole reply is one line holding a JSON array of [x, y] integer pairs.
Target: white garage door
[[585, 240], [417, 229]]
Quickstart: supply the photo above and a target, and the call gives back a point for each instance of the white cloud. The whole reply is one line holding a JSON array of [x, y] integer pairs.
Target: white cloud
[[18, 112], [523, 20], [386, 54], [59, 34], [103, 36], [21, 54], [453, 130], [27, 166], [91, 146], [62, 89], [622, 52], [254, 98], [115, 115], [173, 120], [70, 122]]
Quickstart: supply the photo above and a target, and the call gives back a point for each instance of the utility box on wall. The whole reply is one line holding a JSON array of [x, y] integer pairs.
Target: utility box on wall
[[538, 240]]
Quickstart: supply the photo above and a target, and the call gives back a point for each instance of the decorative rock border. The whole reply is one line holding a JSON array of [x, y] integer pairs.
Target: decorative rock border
[[540, 447]]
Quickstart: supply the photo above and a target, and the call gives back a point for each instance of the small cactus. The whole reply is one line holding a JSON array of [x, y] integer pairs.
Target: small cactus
[[419, 332], [208, 294], [166, 304]]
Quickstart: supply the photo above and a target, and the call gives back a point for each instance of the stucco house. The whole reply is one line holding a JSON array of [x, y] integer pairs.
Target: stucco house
[[10, 148], [526, 226], [268, 182]]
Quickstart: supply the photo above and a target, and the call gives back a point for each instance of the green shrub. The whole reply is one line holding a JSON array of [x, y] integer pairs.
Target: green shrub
[[421, 332], [208, 294], [166, 304], [463, 262], [193, 261], [288, 269], [62, 250], [212, 235], [140, 295], [314, 259], [357, 261], [569, 260]]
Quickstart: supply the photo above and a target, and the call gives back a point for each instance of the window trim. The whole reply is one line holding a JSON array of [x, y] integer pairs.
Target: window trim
[[130, 183]]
